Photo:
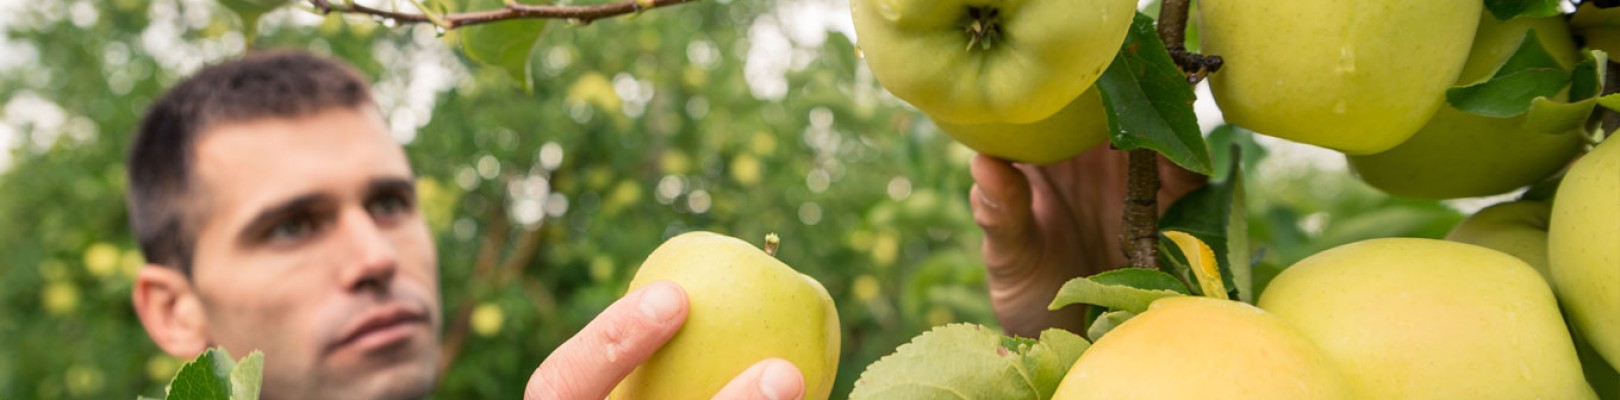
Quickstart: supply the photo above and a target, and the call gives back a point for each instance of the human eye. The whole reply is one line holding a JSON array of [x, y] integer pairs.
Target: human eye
[[389, 205], [292, 229]]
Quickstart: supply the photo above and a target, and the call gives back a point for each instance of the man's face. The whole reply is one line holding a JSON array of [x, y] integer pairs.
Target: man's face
[[311, 249]]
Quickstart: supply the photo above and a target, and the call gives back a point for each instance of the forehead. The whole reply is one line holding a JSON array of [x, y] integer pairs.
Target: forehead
[[255, 163]]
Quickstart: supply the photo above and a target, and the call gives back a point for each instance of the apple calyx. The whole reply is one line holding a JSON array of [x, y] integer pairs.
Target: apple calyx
[[983, 27]]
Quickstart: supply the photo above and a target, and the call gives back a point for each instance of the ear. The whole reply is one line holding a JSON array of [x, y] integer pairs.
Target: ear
[[170, 311]]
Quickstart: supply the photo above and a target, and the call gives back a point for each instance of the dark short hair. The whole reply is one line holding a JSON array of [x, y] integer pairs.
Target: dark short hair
[[270, 84]]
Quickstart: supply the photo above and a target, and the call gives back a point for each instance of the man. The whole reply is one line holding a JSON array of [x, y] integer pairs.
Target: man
[[276, 213]]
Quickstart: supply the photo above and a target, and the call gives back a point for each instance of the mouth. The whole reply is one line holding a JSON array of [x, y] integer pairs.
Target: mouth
[[381, 328]]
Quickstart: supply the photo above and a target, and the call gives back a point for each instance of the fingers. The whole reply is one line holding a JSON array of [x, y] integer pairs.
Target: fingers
[[1001, 206], [591, 363], [773, 379]]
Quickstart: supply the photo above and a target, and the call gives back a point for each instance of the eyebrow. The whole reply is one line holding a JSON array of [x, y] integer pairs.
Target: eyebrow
[[399, 185]]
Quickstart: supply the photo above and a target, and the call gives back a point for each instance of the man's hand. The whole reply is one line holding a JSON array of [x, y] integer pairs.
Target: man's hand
[[591, 363], [1044, 225]]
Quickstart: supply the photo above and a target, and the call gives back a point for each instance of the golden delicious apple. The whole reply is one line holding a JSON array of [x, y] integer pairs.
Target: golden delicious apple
[[1459, 154], [977, 62], [1517, 228], [745, 307], [1584, 247], [1408, 318], [1599, 26], [1202, 348], [1355, 76], [1520, 229], [1074, 129]]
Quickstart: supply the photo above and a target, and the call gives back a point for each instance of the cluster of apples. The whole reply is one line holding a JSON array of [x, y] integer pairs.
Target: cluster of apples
[[1468, 318]]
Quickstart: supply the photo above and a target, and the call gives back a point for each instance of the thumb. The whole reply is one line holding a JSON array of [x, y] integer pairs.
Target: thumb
[[773, 379], [1001, 199], [592, 362]]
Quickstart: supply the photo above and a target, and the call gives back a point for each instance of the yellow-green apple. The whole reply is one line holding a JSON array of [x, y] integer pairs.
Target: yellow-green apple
[[1599, 26], [1074, 129], [745, 307], [1517, 228], [1459, 154], [1408, 318], [1202, 348], [988, 61], [1520, 229], [1584, 247], [1355, 76]]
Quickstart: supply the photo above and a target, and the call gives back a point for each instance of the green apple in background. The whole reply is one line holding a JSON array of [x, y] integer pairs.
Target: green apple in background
[[1599, 26], [1517, 228], [1408, 318], [1074, 129], [1584, 247], [1520, 229], [1458, 154], [1355, 76], [985, 61], [1202, 348], [745, 307]]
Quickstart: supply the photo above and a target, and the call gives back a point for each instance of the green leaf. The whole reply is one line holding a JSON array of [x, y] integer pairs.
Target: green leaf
[[1552, 117], [505, 45], [247, 377], [1215, 214], [1141, 279], [1528, 74], [204, 378], [1508, 9], [1106, 323], [214, 375], [1611, 102], [966, 361], [1149, 101], [250, 11], [1587, 79], [1117, 297]]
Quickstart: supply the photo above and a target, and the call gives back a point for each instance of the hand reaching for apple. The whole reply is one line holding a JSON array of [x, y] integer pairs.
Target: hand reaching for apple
[[591, 363], [1044, 225]]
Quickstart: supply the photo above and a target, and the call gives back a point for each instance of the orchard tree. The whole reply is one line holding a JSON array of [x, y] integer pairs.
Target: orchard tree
[[1439, 99]]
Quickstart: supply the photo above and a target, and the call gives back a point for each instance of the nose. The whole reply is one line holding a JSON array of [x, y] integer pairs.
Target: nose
[[371, 260]]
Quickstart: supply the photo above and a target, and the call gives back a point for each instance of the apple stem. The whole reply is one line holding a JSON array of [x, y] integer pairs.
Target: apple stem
[[1611, 85], [1140, 234], [772, 242]]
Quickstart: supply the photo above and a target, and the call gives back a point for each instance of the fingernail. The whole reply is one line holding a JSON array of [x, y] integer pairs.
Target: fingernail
[[660, 302], [778, 382]]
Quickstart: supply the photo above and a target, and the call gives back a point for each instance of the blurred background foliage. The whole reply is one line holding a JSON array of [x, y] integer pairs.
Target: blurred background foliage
[[735, 116]]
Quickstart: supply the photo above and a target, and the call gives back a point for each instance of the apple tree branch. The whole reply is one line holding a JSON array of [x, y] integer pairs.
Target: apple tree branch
[[583, 14]]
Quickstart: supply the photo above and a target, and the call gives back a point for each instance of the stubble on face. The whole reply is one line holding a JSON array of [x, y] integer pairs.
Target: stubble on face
[[314, 252]]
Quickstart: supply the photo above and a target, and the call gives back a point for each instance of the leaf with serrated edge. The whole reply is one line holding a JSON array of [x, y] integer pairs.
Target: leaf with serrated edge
[[247, 377], [1117, 297], [1149, 102], [966, 361], [1141, 279], [201, 379]]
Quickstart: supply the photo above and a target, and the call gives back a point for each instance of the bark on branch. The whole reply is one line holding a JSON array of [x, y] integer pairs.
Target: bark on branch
[[582, 14]]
